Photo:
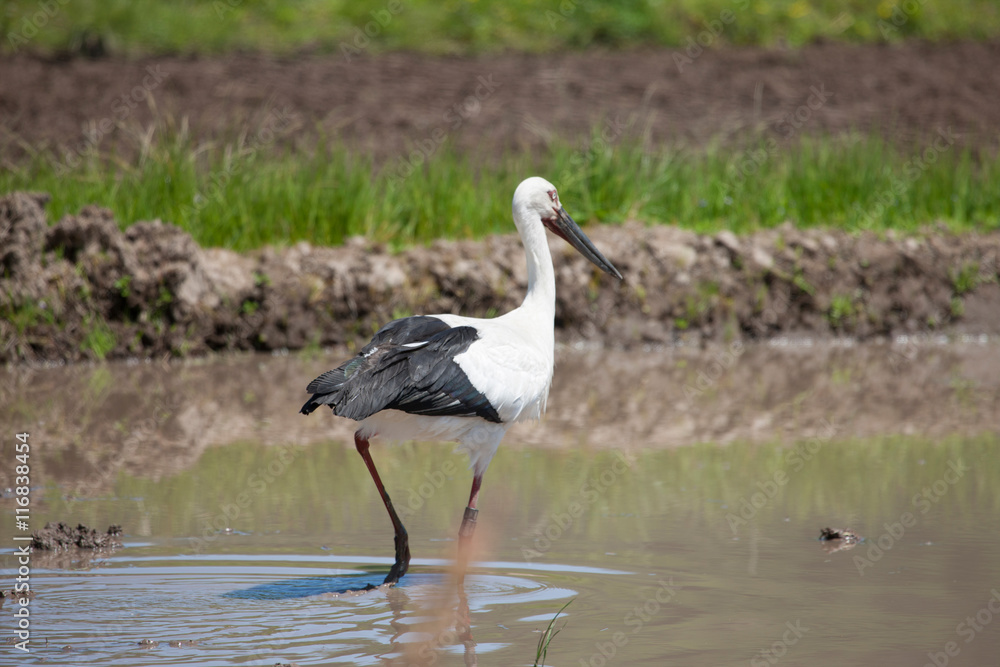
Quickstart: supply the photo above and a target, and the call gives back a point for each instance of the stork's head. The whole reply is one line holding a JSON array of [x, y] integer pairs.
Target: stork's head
[[537, 199]]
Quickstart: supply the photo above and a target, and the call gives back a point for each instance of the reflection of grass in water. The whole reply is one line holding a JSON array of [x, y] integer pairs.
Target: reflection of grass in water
[[246, 196], [325, 491]]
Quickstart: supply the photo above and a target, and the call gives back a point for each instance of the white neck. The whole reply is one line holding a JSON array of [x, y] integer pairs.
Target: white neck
[[541, 296]]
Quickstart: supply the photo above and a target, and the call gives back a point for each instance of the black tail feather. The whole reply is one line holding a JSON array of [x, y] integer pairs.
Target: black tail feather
[[323, 389], [330, 380], [315, 401]]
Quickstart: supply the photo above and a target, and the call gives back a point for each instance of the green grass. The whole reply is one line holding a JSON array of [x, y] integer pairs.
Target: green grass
[[456, 26], [542, 651], [27, 315], [243, 198], [99, 339]]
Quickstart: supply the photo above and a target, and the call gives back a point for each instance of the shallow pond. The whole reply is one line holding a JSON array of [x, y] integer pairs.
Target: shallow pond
[[672, 498]]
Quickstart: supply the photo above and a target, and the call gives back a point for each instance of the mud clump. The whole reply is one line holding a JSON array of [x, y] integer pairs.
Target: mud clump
[[15, 595], [58, 537], [85, 289], [838, 539], [830, 534]]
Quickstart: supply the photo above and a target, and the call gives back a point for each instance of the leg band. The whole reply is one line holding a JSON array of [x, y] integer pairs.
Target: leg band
[[468, 522]]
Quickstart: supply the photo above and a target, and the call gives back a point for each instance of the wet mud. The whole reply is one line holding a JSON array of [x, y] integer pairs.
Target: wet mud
[[84, 289], [62, 546], [838, 539], [61, 537]]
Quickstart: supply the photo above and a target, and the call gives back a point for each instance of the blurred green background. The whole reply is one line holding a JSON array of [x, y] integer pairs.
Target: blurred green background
[[455, 26]]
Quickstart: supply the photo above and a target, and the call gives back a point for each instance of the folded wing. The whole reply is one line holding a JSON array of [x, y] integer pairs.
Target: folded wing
[[409, 366]]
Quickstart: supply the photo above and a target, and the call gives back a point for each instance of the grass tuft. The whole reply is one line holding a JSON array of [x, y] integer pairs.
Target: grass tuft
[[99, 339], [550, 633]]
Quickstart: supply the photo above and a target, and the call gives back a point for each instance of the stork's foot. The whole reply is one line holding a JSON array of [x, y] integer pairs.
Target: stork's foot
[[402, 563]]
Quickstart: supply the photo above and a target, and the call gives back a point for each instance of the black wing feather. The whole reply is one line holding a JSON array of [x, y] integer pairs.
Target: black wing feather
[[408, 365]]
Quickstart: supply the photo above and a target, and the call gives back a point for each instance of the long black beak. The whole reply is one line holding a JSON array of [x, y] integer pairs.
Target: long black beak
[[563, 226]]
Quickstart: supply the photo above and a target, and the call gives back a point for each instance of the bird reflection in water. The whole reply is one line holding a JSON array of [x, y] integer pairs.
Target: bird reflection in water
[[451, 626]]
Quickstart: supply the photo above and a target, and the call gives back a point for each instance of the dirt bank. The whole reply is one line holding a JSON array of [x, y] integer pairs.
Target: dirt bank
[[83, 288], [388, 104]]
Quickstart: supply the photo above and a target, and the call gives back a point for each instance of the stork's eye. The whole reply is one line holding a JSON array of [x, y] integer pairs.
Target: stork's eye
[[553, 196]]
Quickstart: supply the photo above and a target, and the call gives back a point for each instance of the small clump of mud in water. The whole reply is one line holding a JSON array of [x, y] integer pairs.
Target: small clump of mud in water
[[60, 537], [838, 539], [18, 596]]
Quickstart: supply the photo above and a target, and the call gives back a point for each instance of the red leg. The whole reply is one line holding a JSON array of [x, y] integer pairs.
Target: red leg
[[477, 481], [402, 541]]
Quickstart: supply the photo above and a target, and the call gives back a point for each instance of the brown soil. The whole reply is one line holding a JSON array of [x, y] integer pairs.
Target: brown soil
[[61, 537], [83, 287], [388, 104]]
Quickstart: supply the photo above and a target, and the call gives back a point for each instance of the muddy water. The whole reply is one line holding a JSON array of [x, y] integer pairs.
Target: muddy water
[[674, 497]]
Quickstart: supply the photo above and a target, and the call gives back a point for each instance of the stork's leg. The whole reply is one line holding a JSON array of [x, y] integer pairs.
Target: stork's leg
[[468, 527], [402, 541], [471, 513]]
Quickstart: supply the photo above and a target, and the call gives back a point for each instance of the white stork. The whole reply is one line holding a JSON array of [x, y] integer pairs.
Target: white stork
[[462, 379]]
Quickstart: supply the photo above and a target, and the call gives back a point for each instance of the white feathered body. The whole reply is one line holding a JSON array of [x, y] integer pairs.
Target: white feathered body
[[511, 363]]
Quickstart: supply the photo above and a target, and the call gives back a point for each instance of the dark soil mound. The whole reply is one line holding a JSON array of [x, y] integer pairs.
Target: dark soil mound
[[85, 289], [60, 537]]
